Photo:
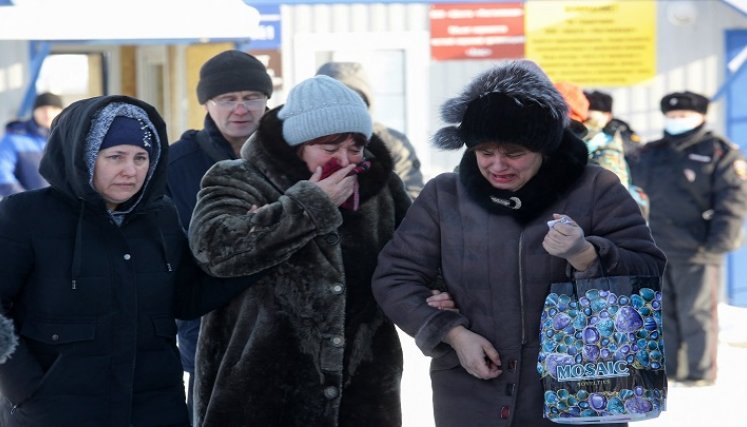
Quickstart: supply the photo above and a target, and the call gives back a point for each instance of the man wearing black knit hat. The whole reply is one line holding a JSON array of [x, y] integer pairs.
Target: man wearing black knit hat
[[697, 185], [233, 88], [22, 146]]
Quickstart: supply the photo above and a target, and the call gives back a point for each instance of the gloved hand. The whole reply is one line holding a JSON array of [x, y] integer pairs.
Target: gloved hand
[[565, 239]]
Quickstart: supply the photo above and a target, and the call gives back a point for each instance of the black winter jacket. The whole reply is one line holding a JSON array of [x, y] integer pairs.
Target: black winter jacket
[[189, 158], [93, 302], [697, 186]]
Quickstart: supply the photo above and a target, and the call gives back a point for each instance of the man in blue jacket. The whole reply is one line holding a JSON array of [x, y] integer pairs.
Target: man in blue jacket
[[234, 88], [22, 146]]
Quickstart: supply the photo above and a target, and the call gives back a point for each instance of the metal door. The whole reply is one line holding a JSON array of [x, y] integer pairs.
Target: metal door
[[736, 130]]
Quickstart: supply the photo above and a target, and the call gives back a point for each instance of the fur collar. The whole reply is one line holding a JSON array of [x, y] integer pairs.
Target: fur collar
[[279, 162], [559, 171]]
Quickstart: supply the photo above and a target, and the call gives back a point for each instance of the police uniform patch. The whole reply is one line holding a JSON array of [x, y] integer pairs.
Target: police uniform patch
[[740, 168]]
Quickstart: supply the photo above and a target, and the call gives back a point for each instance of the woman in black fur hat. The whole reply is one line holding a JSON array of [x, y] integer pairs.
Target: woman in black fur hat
[[485, 229]]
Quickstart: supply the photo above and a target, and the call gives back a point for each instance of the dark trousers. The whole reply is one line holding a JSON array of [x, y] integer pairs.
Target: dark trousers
[[690, 295]]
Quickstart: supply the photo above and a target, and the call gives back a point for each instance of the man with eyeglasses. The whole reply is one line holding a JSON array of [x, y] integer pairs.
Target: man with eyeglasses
[[234, 87]]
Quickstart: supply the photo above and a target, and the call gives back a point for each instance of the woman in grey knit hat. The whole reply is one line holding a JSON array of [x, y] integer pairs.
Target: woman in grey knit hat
[[308, 206], [485, 230]]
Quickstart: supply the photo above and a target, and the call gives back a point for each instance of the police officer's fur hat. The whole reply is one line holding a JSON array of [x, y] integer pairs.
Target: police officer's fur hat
[[511, 103], [685, 101]]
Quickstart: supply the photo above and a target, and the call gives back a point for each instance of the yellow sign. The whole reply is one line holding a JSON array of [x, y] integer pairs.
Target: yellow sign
[[593, 42]]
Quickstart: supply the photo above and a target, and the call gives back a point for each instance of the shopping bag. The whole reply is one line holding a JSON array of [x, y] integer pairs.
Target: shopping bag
[[601, 358]]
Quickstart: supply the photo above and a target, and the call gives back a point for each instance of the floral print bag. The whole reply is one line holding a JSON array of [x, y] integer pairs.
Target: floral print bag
[[602, 355]]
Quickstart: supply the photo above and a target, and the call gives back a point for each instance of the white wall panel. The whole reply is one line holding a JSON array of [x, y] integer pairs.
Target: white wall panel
[[14, 58]]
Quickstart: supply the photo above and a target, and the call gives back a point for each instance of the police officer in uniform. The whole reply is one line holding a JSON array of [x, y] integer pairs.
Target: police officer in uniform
[[697, 185]]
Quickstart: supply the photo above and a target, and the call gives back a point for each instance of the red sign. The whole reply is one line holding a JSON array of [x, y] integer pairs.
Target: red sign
[[477, 31]]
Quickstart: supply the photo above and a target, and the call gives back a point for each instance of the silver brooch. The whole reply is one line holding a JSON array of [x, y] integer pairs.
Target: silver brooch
[[146, 133], [511, 202]]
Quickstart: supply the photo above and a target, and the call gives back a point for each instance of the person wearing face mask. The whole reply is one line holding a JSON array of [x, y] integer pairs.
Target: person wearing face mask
[[601, 119], [606, 148], [697, 185]]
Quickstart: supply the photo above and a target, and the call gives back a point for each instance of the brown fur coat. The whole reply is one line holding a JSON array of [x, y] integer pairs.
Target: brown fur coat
[[307, 345]]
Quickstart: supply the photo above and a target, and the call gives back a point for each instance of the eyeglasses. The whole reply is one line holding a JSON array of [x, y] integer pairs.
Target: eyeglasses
[[232, 103]]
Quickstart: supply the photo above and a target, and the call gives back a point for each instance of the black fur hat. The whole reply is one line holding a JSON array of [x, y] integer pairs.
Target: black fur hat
[[511, 103], [684, 101], [599, 101]]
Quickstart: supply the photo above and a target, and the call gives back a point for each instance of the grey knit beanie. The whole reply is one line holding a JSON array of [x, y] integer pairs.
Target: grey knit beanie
[[322, 106]]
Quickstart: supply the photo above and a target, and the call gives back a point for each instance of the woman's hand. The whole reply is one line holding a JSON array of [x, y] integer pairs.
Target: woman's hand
[[476, 355], [441, 301], [565, 239], [338, 186]]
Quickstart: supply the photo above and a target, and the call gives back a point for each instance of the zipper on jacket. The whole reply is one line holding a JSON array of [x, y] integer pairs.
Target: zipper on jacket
[[521, 290]]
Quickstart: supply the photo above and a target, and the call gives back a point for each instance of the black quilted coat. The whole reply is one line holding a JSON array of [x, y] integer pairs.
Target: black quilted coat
[[94, 303]]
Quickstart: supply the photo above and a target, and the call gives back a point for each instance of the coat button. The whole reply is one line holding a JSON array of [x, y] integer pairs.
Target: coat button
[[55, 337], [337, 341], [332, 238], [336, 289], [505, 412], [330, 392], [127, 257]]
